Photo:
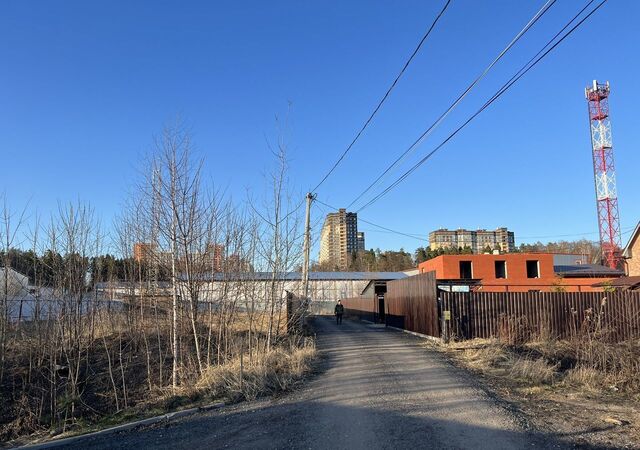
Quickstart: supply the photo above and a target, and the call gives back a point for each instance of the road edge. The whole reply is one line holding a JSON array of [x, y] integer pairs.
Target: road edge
[[124, 427], [513, 408], [420, 335]]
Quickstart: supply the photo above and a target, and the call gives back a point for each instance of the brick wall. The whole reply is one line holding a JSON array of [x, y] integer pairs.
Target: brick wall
[[447, 267], [633, 264]]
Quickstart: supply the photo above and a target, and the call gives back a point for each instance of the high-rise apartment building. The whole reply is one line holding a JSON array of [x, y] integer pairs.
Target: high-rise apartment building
[[501, 239], [505, 239], [143, 252], [215, 256], [360, 239], [339, 238]]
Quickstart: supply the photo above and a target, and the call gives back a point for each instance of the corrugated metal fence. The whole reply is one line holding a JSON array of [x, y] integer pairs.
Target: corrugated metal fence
[[413, 304], [520, 315], [410, 303], [363, 308]]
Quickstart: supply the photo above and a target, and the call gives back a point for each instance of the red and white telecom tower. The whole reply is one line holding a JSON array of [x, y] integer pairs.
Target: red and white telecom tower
[[604, 173]]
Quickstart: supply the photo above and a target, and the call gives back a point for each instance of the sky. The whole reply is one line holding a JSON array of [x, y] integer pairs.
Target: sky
[[85, 87]]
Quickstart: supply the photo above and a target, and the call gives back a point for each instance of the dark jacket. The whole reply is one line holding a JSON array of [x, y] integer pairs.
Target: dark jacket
[[339, 309]]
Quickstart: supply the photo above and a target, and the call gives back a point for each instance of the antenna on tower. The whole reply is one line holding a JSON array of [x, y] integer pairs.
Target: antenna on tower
[[604, 173]]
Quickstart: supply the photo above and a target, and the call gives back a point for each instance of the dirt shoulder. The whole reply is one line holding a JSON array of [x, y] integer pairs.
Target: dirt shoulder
[[575, 406], [377, 389], [279, 371]]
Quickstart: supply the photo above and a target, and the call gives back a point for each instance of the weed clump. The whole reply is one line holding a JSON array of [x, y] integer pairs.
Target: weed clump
[[267, 373]]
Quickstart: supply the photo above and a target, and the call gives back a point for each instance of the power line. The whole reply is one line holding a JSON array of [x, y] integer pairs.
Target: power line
[[394, 231], [626, 231], [375, 224], [499, 93], [416, 235], [384, 98], [457, 101], [371, 230]]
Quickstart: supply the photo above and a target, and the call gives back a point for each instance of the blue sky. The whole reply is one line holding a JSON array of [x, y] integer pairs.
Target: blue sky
[[84, 86]]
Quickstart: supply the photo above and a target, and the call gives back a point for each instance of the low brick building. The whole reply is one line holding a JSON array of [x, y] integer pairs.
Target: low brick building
[[520, 272], [631, 253]]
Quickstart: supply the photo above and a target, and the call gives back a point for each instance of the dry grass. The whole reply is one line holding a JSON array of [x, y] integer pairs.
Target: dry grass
[[585, 378], [536, 371], [140, 366], [585, 363], [483, 355], [491, 356], [586, 388], [272, 372]]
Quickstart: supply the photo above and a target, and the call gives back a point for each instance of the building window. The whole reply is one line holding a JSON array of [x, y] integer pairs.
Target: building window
[[533, 269], [501, 269], [466, 270]]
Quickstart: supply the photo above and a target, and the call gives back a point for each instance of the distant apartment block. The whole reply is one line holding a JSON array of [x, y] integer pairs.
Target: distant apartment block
[[212, 259], [143, 252], [339, 238], [214, 256], [361, 244], [501, 239]]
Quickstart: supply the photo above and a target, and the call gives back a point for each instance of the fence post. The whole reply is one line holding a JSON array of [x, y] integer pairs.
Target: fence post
[[443, 323]]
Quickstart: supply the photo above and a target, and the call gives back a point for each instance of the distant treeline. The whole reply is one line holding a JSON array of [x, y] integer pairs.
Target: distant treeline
[[41, 269], [391, 261], [580, 247]]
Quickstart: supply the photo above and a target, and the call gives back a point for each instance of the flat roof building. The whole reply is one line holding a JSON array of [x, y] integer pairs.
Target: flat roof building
[[361, 244], [520, 272], [477, 240]]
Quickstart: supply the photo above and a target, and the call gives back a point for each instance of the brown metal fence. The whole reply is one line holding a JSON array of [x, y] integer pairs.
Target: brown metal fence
[[555, 314], [412, 304], [363, 308]]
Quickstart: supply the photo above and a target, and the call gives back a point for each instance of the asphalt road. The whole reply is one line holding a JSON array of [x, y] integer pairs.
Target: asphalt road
[[378, 388]]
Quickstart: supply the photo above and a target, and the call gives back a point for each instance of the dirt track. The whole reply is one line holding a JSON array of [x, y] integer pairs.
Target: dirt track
[[378, 389]]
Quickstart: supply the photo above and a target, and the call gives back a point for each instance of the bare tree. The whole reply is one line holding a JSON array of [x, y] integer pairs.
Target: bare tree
[[279, 241], [201, 282], [10, 226]]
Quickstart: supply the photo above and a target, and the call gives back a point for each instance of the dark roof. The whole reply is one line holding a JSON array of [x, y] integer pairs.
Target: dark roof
[[294, 276], [587, 270], [459, 281], [264, 276], [622, 282], [129, 284], [376, 282], [354, 275]]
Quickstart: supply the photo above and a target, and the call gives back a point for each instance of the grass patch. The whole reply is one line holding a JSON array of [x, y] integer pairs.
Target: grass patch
[[238, 378], [268, 373], [593, 365]]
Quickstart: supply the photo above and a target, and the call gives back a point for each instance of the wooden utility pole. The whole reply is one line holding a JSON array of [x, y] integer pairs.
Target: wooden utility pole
[[307, 248]]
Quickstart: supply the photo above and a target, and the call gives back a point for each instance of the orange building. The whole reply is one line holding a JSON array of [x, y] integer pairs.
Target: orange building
[[631, 253], [519, 272], [216, 254], [143, 252]]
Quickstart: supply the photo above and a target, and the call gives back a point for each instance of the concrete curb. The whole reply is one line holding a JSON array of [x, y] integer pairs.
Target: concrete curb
[[125, 427], [420, 335]]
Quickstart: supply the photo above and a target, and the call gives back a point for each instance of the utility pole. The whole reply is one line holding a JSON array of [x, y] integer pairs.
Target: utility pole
[[307, 247]]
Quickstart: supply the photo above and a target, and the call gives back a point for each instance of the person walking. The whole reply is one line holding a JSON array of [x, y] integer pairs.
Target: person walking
[[339, 311]]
